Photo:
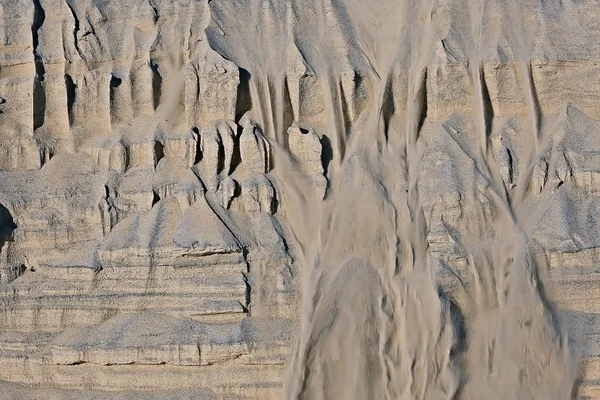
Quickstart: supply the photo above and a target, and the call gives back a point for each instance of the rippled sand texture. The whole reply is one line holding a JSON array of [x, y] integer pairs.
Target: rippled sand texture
[[300, 199]]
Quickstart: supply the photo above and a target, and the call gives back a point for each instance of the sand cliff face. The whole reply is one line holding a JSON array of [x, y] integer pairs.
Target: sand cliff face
[[307, 199]]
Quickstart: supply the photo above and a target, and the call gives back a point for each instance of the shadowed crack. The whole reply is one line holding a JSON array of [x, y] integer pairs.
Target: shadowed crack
[[39, 94], [76, 32]]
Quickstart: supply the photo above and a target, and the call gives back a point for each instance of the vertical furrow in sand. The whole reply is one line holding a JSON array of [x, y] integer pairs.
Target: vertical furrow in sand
[[335, 118], [416, 112], [487, 269], [476, 11], [256, 96], [487, 162], [280, 129], [270, 113], [534, 120], [534, 117]]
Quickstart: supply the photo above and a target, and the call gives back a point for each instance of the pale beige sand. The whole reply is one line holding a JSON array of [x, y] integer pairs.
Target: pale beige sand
[[299, 199]]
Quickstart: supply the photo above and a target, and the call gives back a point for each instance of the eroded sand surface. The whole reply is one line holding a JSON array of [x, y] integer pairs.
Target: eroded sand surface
[[305, 199]]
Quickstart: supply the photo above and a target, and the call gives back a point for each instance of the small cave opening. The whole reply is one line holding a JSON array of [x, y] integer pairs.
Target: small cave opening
[[198, 155], [326, 153], [244, 99], [115, 82], [159, 152], [156, 85], [155, 198], [71, 93], [7, 225]]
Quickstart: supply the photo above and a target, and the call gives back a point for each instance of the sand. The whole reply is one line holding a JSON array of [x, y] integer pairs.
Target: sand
[[299, 199]]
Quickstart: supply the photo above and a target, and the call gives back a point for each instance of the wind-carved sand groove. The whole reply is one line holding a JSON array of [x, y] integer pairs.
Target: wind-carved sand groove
[[300, 199]]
